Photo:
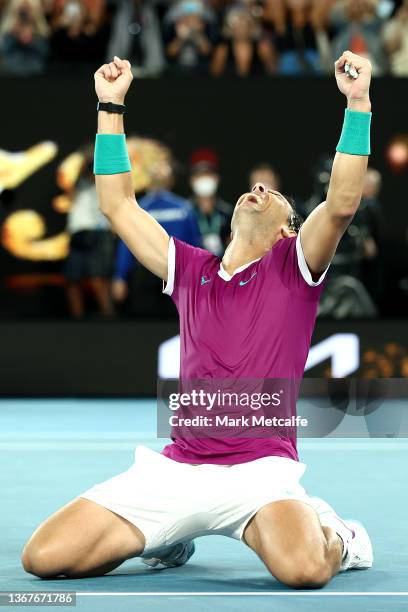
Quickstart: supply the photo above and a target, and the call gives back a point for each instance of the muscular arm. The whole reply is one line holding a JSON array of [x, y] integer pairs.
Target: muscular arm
[[323, 229], [147, 240]]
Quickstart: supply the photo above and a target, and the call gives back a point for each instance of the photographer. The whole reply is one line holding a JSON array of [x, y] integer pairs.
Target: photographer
[[213, 213], [24, 38], [346, 295], [91, 247], [245, 46], [189, 36]]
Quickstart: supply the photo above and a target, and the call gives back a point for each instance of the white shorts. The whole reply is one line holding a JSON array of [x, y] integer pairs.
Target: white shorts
[[173, 502]]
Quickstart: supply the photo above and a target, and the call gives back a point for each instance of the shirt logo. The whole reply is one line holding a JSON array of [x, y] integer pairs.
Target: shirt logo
[[242, 283], [205, 280]]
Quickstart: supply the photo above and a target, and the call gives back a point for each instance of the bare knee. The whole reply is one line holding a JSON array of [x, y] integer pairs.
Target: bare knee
[[82, 539], [302, 573], [47, 562], [310, 576], [40, 560]]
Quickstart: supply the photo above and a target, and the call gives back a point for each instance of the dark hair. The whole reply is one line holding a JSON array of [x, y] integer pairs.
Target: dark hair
[[295, 220]]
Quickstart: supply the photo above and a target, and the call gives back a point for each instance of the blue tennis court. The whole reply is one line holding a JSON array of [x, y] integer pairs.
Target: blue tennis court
[[52, 450]]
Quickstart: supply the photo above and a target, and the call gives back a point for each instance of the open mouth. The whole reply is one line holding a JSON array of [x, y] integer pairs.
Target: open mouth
[[252, 198]]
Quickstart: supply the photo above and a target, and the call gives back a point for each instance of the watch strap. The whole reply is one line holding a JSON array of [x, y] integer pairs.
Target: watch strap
[[109, 107]]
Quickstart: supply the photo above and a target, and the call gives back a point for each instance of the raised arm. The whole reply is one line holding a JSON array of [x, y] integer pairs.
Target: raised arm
[[147, 240], [323, 229]]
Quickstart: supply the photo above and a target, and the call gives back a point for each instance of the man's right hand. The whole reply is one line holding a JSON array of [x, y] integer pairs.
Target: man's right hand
[[113, 80]]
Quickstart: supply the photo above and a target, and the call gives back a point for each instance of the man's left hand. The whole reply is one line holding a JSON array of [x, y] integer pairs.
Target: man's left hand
[[355, 88]]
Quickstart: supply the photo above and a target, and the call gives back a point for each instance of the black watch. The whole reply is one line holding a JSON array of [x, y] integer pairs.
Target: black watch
[[109, 107]]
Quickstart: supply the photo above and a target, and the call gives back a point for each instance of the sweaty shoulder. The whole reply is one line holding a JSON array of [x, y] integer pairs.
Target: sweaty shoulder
[[287, 260], [185, 262]]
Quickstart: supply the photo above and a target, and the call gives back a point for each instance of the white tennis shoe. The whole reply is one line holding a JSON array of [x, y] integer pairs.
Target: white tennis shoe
[[359, 554], [358, 550], [175, 556]]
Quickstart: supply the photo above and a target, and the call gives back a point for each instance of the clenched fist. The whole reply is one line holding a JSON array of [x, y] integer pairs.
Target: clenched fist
[[353, 76], [113, 80]]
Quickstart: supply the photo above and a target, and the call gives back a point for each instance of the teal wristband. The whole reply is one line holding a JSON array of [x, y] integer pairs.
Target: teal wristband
[[111, 155], [355, 137]]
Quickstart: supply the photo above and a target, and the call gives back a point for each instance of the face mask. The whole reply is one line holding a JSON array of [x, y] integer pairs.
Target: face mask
[[205, 186]]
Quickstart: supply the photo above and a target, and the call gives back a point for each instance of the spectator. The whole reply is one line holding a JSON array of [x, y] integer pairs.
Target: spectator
[[80, 33], [396, 41], [345, 295], [266, 174], [188, 34], [91, 247], [24, 38], [213, 213], [243, 37], [297, 24], [244, 42], [177, 217], [136, 35], [358, 28]]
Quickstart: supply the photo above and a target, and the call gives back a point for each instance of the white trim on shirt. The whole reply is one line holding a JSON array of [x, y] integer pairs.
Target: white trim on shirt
[[168, 287], [227, 277], [304, 268]]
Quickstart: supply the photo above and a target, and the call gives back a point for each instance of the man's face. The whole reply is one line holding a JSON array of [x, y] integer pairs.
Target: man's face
[[263, 206]]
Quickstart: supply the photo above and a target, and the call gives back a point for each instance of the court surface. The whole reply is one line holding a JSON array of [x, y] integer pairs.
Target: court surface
[[51, 450]]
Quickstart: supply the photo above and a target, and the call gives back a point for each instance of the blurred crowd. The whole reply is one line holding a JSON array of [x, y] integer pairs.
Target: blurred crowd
[[217, 37], [101, 266]]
